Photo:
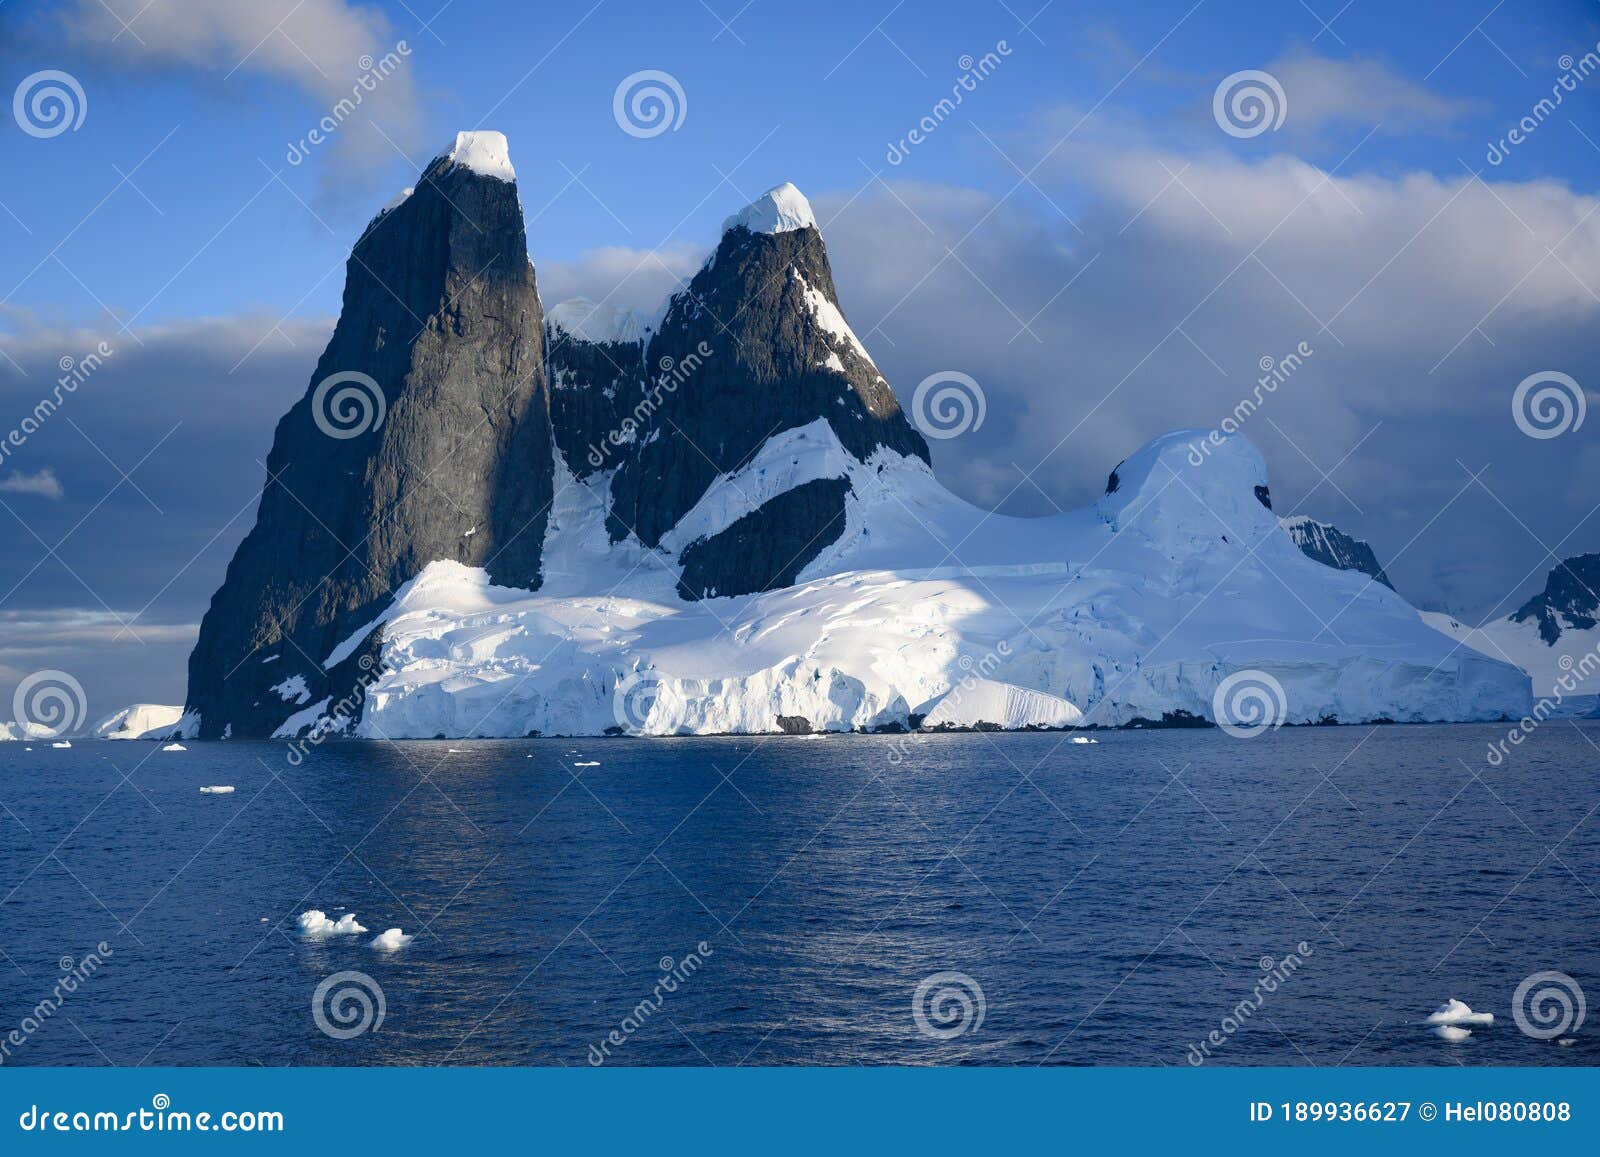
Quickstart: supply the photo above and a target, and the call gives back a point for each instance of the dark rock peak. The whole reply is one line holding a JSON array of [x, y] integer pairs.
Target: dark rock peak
[[1569, 593], [761, 327], [1332, 547], [424, 434]]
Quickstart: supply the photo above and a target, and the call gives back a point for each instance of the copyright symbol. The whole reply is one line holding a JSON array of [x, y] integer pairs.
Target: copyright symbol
[[1428, 1111]]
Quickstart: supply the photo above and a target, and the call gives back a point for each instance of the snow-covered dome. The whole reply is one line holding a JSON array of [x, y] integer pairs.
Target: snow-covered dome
[[778, 210], [1191, 485]]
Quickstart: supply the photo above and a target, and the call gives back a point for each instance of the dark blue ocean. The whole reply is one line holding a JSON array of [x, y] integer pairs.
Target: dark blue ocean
[[778, 900]]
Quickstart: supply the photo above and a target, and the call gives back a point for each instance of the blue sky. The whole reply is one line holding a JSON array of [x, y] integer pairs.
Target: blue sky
[[813, 98], [1130, 283]]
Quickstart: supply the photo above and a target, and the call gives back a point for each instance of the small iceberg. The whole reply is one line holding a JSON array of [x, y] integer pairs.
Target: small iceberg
[[390, 940], [1451, 1033], [1083, 739], [315, 924], [62, 743], [216, 788], [593, 763], [1457, 1012], [174, 747]]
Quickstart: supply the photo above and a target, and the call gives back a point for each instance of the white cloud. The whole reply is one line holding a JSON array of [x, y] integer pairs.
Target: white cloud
[[43, 483], [1323, 90], [321, 47], [627, 278]]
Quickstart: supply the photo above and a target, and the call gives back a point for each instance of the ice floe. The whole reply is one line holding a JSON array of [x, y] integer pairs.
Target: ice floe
[[1457, 1012], [316, 924], [390, 940]]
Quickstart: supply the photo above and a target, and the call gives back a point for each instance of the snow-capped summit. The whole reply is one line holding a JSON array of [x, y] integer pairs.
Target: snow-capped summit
[[597, 321], [754, 350], [781, 209], [441, 333], [483, 152], [1159, 493]]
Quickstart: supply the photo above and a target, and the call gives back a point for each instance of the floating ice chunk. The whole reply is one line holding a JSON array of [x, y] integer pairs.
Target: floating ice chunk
[[63, 743], [1449, 1032], [315, 923], [1455, 1011], [174, 747], [1567, 1042], [591, 763], [390, 940], [1083, 739], [217, 789]]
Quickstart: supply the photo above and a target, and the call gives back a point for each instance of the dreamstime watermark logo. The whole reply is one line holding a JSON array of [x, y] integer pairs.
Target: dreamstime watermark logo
[[1574, 674], [1548, 1004], [49, 103], [648, 103], [1274, 373], [1548, 404], [372, 73], [1274, 974], [947, 404], [948, 1004], [1249, 103], [74, 373], [336, 719], [74, 973], [973, 72], [674, 373], [49, 703], [674, 974], [634, 698], [357, 408], [1247, 703], [348, 1004], [1573, 73]]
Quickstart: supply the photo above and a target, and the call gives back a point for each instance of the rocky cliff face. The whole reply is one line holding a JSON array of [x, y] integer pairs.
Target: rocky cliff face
[[1332, 547], [755, 345], [594, 358], [1568, 601], [425, 435]]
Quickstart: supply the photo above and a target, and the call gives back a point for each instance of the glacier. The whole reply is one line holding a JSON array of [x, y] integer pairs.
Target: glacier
[[1131, 611]]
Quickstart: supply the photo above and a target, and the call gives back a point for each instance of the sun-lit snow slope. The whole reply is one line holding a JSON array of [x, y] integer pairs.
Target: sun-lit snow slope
[[134, 721], [1135, 608]]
